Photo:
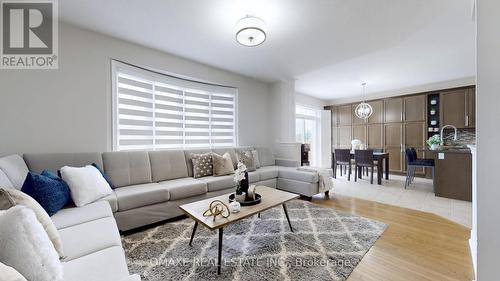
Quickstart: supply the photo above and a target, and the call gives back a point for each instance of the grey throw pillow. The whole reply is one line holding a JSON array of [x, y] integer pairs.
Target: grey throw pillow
[[202, 165], [247, 159], [255, 156], [223, 165], [12, 197]]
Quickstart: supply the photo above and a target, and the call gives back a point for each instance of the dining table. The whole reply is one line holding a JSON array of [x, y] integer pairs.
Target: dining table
[[382, 159]]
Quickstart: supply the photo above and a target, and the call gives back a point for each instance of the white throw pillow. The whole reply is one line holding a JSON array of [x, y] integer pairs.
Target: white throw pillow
[[256, 160], [87, 184], [8, 273], [25, 246]]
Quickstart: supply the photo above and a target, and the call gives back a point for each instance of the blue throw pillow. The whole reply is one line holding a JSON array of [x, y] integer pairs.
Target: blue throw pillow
[[104, 176], [50, 191]]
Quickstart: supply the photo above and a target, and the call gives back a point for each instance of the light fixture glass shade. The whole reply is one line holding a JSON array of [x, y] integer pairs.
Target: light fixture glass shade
[[250, 31], [363, 110]]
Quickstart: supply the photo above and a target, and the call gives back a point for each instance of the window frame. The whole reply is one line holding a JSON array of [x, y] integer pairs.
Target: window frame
[[176, 81]]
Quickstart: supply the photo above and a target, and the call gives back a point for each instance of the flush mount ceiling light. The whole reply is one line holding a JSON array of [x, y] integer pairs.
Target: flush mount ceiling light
[[363, 110], [250, 31]]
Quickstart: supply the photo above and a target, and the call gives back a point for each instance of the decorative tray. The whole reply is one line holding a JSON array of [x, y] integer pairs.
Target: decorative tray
[[247, 203]]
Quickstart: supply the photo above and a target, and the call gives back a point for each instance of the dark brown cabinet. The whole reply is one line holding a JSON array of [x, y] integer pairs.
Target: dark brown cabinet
[[359, 133], [458, 108], [374, 135], [393, 142], [393, 110], [335, 137], [344, 115], [344, 137], [334, 110], [378, 112], [414, 108], [414, 136]]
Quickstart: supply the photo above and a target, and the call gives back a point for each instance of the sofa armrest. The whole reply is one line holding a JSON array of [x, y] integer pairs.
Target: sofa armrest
[[133, 277], [287, 162]]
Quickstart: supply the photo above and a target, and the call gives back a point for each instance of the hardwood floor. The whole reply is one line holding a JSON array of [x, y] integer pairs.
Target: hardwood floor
[[416, 245]]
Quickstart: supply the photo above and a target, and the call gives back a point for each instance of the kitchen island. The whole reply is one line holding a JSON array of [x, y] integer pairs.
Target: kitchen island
[[453, 172]]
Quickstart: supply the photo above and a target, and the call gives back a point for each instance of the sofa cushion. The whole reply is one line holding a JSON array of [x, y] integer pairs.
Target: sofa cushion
[[231, 152], [73, 216], [4, 181], [87, 184], [268, 172], [16, 170], [112, 200], [253, 177], [105, 265], [134, 196], [202, 165], [184, 187], [292, 174], [86, 238], [218, 183], [189, 161], [168, 164], [127, 168], [266, 157], [10, 274], [37, 162]]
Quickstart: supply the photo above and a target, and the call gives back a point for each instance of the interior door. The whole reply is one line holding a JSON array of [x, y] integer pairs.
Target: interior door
[[344, 115], [393, 134], [453, 108], [414, 108], [393, 110]]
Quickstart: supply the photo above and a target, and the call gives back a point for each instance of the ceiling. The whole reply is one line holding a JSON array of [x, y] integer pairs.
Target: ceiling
[[329, 46]]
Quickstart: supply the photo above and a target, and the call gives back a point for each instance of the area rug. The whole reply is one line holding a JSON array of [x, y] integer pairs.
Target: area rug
[[325, 245]]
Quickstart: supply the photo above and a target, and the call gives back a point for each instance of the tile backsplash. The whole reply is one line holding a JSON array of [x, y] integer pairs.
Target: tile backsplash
[[464, 137]]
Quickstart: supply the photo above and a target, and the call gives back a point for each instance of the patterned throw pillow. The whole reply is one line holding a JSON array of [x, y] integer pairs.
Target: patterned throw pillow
[[202, 165], [247, 159], [223, 165]]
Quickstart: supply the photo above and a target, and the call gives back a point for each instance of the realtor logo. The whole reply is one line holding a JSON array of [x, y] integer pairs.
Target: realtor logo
[[29, 35]]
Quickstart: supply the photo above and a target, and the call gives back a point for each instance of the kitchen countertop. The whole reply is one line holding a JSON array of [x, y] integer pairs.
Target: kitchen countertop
[[447, 150]]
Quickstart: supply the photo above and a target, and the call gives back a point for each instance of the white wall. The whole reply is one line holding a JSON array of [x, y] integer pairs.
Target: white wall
[[488, 138], [69, 109]]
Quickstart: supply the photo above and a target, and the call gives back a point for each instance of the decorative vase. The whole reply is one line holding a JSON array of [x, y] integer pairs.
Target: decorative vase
[[244, 185], [240, 197], [234, 207], [434, 146]]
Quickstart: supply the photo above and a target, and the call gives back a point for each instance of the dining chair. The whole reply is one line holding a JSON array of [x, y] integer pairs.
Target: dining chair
[[413, 162], [375, 150], [363, 159], [343, 159]]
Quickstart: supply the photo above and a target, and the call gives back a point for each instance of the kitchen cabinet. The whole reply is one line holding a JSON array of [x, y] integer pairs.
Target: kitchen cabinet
[[359, 133], [447, 181], [335, 137], [414, 136], [344, 136], [414, 108], [374, 135], [344, 115], [458, 108], [393, 144], [393, 110], [471, 108], [334, 110], [378, 112]]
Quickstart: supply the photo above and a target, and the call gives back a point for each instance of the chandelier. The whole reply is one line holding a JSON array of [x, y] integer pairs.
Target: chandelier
[[363, 110]]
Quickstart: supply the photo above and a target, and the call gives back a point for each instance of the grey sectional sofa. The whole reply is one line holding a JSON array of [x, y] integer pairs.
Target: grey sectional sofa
[[149, 188]]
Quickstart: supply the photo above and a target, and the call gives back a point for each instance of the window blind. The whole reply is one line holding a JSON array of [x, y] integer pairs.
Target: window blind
[[154, 111]]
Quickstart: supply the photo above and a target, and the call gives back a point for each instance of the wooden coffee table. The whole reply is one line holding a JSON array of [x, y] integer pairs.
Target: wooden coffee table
[[271, 198]]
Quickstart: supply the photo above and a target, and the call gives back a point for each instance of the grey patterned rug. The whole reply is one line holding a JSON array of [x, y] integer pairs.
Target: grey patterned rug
[[326, 245]]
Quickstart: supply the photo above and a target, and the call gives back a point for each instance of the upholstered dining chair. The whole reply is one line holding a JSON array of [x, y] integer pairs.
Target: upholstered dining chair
[[342, 159], [363, 159]]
